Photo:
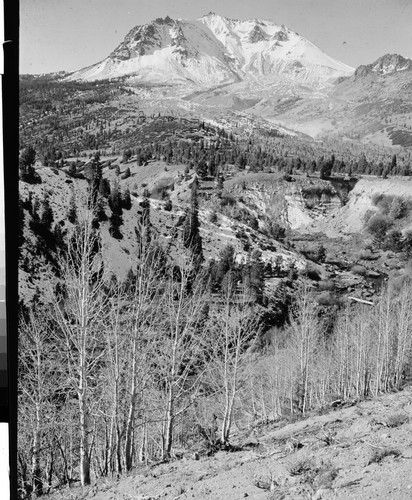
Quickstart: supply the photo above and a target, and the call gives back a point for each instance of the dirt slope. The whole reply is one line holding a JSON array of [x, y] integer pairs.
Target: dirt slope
[[340, 450]]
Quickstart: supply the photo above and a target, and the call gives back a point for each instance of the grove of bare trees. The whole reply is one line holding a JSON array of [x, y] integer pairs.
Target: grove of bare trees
[[114, 374]]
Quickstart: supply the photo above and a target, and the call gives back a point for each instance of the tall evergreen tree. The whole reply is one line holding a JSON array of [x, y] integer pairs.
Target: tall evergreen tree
[[115, 203], [144, 232], [26, 165], [72, 212], [191, 234], [126, 199], [47, 216], [96, 177], [104, 187]]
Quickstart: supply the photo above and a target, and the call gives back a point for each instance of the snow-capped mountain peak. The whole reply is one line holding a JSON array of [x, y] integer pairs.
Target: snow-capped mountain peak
[[215, 50]]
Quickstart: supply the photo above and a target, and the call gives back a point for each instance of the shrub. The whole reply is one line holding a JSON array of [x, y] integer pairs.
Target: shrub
[[378, 226], [327, 299], [380, 453], [327, 285], [317, 254], [325, 476], [366, 255], [275, 230], [393, 241], [398, 208], [377, 198], [361, 270], [227, 200], [397, 419], [126, 173], [383, 202], [300, 466], [213, 217], [368, 215], [312, 274]]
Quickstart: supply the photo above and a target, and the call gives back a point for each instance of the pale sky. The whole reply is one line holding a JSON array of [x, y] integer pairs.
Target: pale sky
[[70, 34]]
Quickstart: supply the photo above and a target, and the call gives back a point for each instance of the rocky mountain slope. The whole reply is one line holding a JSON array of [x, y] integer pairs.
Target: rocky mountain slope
[[215, 50]]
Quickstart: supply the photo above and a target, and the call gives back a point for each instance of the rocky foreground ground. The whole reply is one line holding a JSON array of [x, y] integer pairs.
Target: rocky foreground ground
[[354, 451]]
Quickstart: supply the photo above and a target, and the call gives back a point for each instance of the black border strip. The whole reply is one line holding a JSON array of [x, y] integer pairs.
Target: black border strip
[[10, 91]]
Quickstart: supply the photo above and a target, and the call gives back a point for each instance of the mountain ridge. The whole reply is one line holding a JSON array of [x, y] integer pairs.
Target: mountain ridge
[[384, 65]]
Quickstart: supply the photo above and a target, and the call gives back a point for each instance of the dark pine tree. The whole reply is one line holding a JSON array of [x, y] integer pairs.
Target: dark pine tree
[[47, 216], [96, 177], [115, 204], [72, 212], [191, 234], [144, 232], [126, 200], [393, 164], [104, 187], [26, 165]]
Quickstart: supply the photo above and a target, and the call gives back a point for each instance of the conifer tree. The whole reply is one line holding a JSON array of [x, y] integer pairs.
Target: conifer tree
[[72, 170], [115, 203], [115, 199], [26, 165], [104, 187], [96, 177], [59, 238], [126, 200], [72, 212], [35, 210], [191, 235], [47, 216], [256, 275], [144, 230]]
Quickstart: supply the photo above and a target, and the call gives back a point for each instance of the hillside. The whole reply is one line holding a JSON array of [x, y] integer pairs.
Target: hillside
[[358, 450]]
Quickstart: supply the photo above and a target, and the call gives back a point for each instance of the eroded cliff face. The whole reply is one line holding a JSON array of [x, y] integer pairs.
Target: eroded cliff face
[[351, 218], [295, 203]]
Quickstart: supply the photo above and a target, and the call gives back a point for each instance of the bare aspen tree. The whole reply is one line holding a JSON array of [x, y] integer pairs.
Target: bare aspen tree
[[38, 380], [381, 324], [143, 312], [360, 328], [79, 317], [232, 332], [323, 373], [305, 333], [115, 359], [179, 347], [403, 325], [344, 352]]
